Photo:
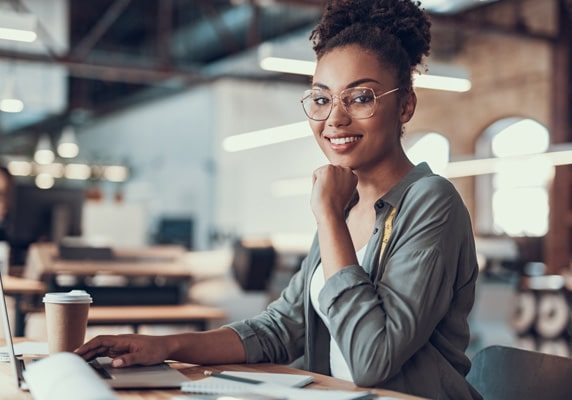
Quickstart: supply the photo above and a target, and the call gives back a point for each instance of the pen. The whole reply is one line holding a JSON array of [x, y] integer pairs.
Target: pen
[[232, 378]]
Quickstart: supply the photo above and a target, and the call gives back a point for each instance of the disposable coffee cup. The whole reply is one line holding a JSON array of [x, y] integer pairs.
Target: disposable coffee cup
[[66, 319]]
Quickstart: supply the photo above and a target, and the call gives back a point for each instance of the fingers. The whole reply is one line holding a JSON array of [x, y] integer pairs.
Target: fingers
[[129, 359], [103, 345]]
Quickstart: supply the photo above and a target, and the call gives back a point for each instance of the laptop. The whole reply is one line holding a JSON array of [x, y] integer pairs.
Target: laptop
[[159, 376]]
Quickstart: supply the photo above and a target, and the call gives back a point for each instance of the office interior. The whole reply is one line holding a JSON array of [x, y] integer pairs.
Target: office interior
[[168, 136]]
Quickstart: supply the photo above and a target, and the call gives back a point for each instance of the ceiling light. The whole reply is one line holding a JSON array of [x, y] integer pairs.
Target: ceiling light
[[116, 173], [45, 181], [444, 77], [9, 102], [44, 153], [19, 27], [438, 82], [67, 145], [11, 105], [265, 137], [20, 168], [56, 170], [77, 171], [288, 65]]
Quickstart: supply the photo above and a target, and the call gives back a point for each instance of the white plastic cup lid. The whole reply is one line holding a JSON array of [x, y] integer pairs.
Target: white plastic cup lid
[[72, 297]]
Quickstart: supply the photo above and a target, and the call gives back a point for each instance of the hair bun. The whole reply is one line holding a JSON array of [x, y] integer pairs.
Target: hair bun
[[403, 19]]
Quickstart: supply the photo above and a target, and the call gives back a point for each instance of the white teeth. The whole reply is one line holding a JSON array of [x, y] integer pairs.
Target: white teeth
[[344, 140]]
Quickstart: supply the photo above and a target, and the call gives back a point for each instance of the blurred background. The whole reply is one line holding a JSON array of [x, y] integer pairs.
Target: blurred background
[[156, 153]]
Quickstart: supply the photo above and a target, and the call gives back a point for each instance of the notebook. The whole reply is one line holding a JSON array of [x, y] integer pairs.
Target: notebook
[[232, 382], [282, 386]]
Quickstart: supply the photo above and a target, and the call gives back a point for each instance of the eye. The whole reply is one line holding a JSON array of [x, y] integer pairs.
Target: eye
[[361, 97], [320, 100]]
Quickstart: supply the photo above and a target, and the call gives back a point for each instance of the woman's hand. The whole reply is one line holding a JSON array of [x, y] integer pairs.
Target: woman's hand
[[127, 350], [332, 191]]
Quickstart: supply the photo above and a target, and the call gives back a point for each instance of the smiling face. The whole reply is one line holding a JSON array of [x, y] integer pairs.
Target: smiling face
[[360, 144]]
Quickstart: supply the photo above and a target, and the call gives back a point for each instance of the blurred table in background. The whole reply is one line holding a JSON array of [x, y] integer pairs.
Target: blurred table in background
[[150, 275], [21, 290]]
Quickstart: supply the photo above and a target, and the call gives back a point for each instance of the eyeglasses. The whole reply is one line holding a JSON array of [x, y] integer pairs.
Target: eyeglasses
[[358, 102]]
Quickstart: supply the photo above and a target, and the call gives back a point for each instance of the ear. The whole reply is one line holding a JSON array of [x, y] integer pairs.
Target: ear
[[408, 107]]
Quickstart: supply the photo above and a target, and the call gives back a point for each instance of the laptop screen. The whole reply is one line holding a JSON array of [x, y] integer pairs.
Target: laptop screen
[[7, 333]]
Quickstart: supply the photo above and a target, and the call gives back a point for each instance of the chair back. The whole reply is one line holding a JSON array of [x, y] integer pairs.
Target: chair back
[[506, 373]]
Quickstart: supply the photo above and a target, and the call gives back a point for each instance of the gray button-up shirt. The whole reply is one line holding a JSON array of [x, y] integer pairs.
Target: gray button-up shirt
[[401, 323]]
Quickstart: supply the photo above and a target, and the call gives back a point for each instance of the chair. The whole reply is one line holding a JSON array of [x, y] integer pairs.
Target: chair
[[505, 373]]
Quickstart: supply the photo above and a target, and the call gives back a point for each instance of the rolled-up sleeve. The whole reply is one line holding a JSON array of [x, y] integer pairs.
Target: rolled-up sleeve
[[277, 334], [379, 326]]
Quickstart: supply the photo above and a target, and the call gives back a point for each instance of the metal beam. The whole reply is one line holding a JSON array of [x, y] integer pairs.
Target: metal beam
[[107, 72], [164, 31], [99, 29]]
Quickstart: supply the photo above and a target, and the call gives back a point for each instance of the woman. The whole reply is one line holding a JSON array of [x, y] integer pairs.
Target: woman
[[382, 298]]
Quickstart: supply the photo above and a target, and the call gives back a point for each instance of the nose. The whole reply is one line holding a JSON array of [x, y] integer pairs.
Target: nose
[[339, 115]]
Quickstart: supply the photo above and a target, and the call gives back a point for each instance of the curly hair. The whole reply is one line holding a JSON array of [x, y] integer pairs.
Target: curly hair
[[398, 31]]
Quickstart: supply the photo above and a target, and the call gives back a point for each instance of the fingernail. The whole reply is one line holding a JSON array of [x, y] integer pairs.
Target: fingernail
[[117, 363]]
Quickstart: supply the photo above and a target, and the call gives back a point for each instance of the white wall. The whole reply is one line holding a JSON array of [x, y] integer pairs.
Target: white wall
[[174, 148], [245, 202], [168, 145]]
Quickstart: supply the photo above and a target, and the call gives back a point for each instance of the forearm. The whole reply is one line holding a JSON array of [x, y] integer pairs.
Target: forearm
[[336, 247], [219, 346]]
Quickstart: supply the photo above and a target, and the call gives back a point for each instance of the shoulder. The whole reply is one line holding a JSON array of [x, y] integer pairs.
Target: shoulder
[[433, 189]]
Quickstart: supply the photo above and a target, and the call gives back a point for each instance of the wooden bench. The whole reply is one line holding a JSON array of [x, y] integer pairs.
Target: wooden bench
[[135, 316]]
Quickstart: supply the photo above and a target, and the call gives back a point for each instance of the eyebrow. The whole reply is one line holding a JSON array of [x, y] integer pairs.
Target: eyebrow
[[352, 84]]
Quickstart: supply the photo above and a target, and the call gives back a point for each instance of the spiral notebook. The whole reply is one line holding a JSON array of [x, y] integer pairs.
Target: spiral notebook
[[229, 382], [283, 386]]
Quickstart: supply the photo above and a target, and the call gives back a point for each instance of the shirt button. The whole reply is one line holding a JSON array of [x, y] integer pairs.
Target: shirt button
[[379, 204]]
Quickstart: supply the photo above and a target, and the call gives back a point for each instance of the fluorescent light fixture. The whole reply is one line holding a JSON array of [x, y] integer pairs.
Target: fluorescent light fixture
[[17, 35], [265, 137], [288, 65], [558, 155], [11, 105], [438, 82], [44, 153], [45, 181], [67, 145], [19, 27], [9, 102], [78, 171], [20, 168], [116, 173]]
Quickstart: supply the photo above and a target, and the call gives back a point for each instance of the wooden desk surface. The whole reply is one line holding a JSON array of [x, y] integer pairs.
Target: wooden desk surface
[[141, 314], [194, 372], [43, 261], [15, 285]]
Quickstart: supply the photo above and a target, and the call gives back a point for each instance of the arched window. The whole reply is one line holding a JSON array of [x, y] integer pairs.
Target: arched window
[[430, 147], [514, 201]]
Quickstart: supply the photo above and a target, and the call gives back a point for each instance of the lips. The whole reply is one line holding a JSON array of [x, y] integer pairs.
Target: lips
[[343, 142]]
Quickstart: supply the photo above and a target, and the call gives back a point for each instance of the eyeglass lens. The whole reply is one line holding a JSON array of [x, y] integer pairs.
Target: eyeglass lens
[[358, 102]]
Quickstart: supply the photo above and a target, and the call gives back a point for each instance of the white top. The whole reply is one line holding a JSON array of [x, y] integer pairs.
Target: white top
[[72, 297], [338, 366]]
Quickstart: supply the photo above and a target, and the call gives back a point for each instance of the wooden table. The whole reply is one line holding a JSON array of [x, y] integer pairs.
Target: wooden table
[[10, 392], [135, 316], [18, 288], [153, 261]]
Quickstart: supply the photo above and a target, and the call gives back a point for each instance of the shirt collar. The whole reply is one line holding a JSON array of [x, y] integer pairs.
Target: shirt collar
[[394, 195]]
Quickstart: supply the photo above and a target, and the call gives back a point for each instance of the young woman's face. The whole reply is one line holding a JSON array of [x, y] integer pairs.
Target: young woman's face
[[360, 144]]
